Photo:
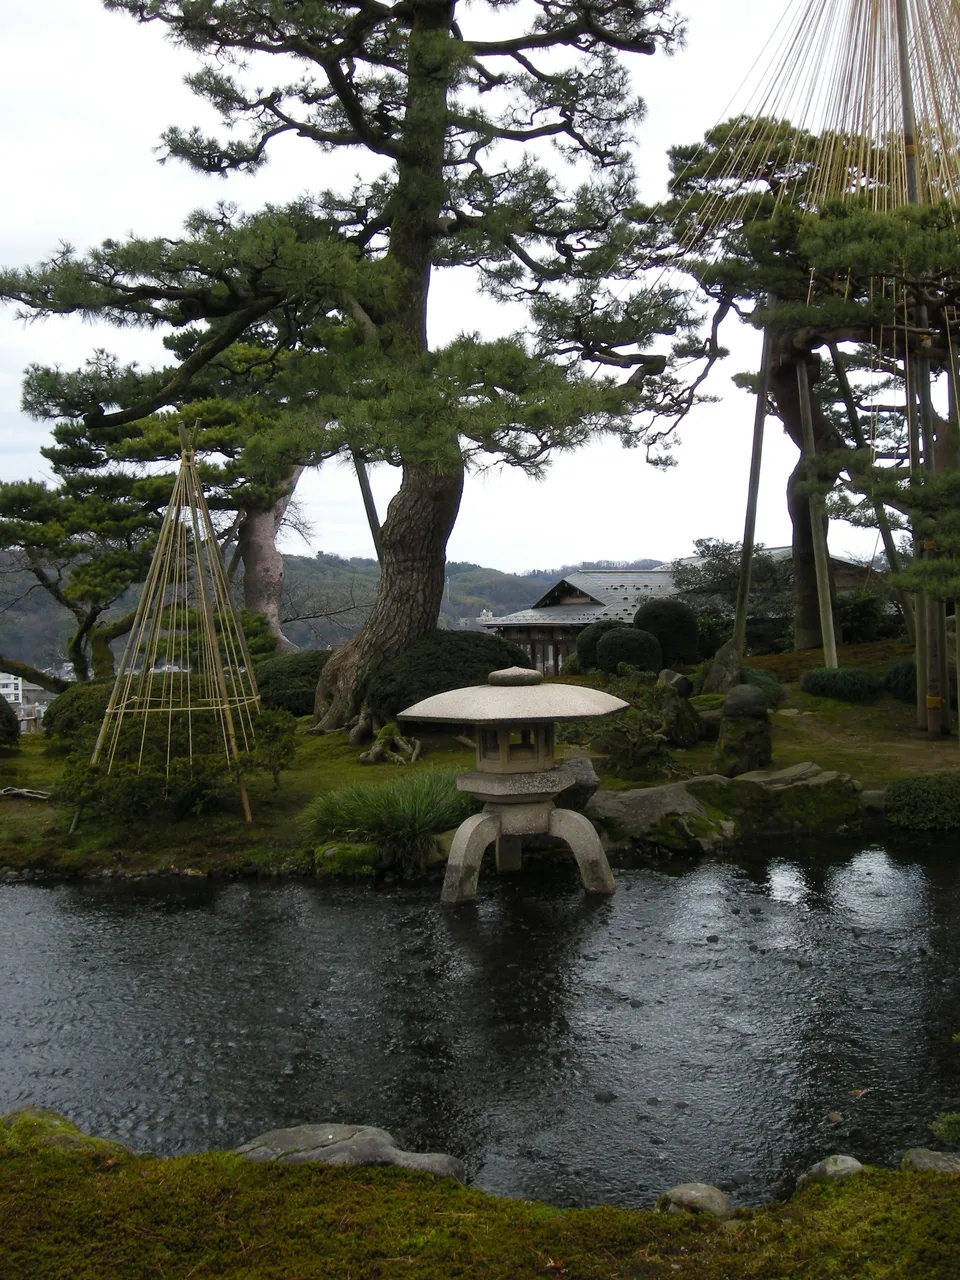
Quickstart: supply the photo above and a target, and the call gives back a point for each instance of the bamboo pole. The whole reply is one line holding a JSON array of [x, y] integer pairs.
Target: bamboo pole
[[818, 519], [753, 491]]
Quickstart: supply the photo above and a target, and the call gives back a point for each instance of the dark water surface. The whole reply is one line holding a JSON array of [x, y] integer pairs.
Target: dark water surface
[[183, 1015]]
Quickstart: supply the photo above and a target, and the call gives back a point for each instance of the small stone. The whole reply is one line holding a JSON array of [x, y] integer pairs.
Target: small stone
[[923, 1160], [696, 1198], [789, 711], [834, 1117], [653, 1102], [713, 937], [657, 1141], [636, 1004], [832, 1169], [605, 1095], [804, 964]]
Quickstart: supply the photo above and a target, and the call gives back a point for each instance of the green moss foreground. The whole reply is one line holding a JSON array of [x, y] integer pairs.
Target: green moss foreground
[[88, 1210]]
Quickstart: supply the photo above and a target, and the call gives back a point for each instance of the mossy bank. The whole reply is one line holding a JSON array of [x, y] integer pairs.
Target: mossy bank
[[73, 1208]]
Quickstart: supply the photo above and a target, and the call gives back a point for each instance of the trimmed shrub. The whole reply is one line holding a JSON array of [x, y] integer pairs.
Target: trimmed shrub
[[398, 818], [571, 666], [142, 787], [74, 714], [589, 638], [437, 662], [9, 725], [675, 626], [859, 615], [637, 649], [847, 684], [900, 680], [288, 682], [713, 630], [925, 802], [771, 686]]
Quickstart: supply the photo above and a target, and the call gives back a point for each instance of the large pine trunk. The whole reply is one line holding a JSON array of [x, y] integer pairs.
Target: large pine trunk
[[414, 540], [422, 514], [783, 387], [263, 563]]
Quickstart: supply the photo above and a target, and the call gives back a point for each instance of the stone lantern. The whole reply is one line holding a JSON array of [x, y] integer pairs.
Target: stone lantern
[[516, 777]]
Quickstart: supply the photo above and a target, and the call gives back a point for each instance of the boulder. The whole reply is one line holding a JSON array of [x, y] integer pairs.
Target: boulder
[[802, 798], [873, 801], [352, 1144], [710, 724], [832, 1169], [669, 817], [584, 787], [675, 680], [745, 702], [696, 1198], [924, 1160], [724, 670], [743, 744]]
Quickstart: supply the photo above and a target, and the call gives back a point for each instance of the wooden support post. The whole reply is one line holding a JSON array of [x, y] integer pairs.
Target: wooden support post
[[817, 520], [753, 491]]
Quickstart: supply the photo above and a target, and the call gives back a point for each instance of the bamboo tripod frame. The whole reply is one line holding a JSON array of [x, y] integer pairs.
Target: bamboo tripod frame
[[186, 655]]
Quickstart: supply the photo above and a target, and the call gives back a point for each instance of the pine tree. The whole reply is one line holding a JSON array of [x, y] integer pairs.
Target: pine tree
[[445, 114]]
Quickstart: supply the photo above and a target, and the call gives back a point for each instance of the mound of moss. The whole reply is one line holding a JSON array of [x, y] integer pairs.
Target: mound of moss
[[87, 1215]]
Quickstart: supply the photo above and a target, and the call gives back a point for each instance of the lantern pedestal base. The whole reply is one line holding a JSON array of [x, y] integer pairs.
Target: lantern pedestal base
[[507, 820]]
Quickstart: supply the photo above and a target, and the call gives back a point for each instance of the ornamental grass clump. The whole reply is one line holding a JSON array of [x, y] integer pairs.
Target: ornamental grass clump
[[399, 818], [924, 802], [846, 684]]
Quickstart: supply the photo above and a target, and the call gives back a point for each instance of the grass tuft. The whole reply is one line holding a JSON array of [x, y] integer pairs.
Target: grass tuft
[[398, 818]]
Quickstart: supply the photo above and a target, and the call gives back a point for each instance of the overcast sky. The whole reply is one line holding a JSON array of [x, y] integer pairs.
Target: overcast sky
[[85, 96]]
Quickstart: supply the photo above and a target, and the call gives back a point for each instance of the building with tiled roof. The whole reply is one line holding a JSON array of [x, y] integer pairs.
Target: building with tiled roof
[[548, 630]]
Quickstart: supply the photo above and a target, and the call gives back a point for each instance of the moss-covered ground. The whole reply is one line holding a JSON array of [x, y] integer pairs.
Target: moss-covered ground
[[875, 741], [36, 834], [99, 1215]]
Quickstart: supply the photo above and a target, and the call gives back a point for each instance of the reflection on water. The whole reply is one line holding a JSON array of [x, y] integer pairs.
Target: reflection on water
[[729, 1007]]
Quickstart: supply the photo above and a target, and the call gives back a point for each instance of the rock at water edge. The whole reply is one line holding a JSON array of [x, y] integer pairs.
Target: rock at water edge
[[923, 1160], [353, 1144], [696, 1198], [832, 1169]]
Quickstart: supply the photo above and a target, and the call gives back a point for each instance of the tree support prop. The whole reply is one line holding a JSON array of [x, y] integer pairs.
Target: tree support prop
[[753, 491], [817, 521]]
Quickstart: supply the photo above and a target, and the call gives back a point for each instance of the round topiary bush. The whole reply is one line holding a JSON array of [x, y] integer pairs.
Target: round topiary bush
[[589, 638], [925, 802], [288, 682], [76, 713], [9, 725], [638, 649], [435, 663], [900, 680], [847, 684], [675, 626]]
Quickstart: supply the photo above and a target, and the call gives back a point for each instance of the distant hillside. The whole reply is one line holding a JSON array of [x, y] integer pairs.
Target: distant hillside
[[34, 629]]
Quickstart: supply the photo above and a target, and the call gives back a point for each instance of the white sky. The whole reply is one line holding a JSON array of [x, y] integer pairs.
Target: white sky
[[83, 100]]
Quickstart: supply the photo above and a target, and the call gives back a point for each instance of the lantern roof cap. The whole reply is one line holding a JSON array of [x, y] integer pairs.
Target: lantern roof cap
[[515, 695]]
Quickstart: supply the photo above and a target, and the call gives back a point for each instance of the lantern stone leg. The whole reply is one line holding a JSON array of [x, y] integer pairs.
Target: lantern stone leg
[[580, 835], [466, 854], [517, 778]]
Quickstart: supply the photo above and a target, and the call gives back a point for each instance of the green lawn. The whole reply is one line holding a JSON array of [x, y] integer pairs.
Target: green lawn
[[37, 834]]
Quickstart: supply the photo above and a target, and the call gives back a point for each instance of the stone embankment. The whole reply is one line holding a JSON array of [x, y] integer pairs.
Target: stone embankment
[[703, 814]]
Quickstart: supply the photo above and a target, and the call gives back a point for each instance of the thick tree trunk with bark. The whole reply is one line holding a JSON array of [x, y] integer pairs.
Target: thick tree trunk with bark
[[414, 538], [783, 388], [263, 563]]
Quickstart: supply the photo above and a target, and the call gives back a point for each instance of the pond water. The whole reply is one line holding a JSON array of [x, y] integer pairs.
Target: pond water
[[702, 1024]]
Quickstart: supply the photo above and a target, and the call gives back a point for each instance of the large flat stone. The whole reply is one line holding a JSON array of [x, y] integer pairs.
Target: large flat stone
[[669, 817], [924, 1160], [350, 1144]]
